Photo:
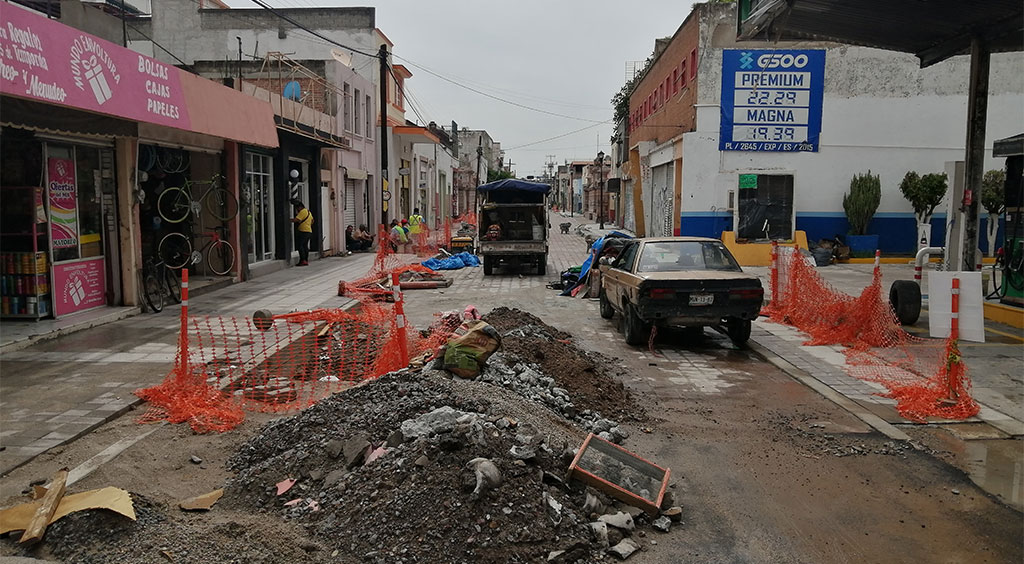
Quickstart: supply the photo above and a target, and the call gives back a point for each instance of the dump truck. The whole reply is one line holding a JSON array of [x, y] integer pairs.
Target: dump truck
[[513, 224]]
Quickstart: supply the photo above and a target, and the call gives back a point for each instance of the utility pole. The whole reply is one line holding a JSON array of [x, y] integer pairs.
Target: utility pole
[[479, 158], [124, 26], [572, 205], [383, 136]]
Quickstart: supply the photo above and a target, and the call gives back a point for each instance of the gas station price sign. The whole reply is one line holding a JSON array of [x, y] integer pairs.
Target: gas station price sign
[[771, 99]]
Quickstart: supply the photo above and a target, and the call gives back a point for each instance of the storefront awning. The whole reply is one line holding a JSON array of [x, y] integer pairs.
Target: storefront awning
[[414, 134], [62, 66]]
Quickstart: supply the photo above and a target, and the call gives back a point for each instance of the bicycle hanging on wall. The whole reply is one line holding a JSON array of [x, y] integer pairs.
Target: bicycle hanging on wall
[[176, 250], [176, 203]]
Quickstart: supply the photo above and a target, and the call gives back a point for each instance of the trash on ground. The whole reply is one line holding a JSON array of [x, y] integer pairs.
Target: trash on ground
[[17, 518], [620, 474], [201, 502]]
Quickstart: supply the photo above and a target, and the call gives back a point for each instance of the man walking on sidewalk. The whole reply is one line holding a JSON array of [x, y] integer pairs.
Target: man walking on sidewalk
[[303, 221]]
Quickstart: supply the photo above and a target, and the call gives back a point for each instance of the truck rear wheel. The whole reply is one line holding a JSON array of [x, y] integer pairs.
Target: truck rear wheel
[[542, 265], [488, 265]]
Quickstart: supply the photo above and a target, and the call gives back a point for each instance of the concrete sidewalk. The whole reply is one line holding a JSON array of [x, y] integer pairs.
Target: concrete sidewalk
[[56, 390], [994, 367]]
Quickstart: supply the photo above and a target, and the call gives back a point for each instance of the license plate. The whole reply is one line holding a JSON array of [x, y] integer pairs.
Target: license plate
[[701, 299]]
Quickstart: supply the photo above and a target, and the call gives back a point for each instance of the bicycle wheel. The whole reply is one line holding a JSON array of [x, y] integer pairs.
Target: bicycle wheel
[[173, 284], [175, 250], [174, 205], [221, 203], [172, 160], [153, 292], [221, 257]]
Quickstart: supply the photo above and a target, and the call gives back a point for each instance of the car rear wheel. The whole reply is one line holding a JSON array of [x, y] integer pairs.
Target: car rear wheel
[[607, 311], [634, 327], [739, 331]]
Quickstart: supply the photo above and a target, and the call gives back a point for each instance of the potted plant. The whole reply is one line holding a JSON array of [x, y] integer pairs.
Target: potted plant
[[925, 193], [860, 204], [992, 186]]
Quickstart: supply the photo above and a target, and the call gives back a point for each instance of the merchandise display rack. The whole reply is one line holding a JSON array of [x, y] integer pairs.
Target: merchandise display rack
[[24, 267]]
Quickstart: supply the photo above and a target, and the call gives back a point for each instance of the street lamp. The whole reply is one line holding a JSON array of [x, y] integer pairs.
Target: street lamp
[[599, 161]]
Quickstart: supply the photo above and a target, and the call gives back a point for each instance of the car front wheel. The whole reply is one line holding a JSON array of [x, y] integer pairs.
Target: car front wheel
[[739, 331], [607, 311], [634, 327]]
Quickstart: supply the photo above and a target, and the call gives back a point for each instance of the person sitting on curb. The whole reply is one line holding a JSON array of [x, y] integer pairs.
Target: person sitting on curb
[[353, 242]]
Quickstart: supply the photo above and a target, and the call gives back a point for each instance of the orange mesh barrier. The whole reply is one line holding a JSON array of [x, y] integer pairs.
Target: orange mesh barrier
[[226, 365], [926, 377]]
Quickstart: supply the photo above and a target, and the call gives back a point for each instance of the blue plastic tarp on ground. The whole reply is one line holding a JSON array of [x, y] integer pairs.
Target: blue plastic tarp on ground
[[594, 250], [453, 262]]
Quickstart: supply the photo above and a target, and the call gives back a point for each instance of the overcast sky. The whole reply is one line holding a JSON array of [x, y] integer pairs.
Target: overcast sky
[[565, 57]]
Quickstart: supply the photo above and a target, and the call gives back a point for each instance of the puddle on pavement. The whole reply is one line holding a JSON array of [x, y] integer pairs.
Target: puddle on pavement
[[995, 465]]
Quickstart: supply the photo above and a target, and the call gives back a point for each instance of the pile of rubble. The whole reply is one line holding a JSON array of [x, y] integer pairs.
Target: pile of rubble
[[417, 466]]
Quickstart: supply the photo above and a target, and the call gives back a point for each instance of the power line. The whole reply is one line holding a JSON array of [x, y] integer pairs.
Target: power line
[[558, 136], [498, 98], [164, 49], [267, 7]]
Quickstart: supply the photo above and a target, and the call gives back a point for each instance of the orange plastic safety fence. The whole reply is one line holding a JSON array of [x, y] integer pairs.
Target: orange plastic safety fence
[[926, 377]]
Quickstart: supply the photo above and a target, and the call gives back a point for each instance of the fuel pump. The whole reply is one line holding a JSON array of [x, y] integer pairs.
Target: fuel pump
[[1011, 290]]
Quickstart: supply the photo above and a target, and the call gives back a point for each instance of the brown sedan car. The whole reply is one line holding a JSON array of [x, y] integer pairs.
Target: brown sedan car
[[679, 281]]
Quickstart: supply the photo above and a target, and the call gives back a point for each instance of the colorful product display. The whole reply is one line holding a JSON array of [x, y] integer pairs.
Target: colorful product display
[[24, 284]]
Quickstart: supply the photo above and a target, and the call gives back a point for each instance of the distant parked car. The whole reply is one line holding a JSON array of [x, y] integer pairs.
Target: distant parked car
[[679, 281]]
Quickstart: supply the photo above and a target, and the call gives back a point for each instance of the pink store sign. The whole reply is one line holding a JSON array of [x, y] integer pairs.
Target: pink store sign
[[78, 285], [44, 60]]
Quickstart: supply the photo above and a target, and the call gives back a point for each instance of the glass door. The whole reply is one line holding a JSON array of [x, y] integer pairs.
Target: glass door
[[259, 218]]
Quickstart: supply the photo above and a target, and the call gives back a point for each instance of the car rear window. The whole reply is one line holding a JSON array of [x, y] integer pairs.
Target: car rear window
[[671, 256]]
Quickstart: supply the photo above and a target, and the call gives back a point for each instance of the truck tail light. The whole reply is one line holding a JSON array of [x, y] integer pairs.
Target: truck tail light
[[747, 294], [662, 293]]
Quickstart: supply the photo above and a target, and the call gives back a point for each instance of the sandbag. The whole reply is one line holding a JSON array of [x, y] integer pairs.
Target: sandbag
[[469, 348]]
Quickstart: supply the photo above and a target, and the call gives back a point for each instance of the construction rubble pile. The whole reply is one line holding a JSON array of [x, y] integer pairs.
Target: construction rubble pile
[[421, 465]]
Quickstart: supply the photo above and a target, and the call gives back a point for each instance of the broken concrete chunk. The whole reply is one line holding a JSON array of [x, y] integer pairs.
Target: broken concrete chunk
[[592, 505], [674, 513], [333, 478], [355, 450], [429, 424], [633, 511], [422, 460], [196, 460], [600, 531], [554, 508], [523, 452], [487, 475], [662, 524], [619, 520], [555, 554], [624, 549], [395, 439]]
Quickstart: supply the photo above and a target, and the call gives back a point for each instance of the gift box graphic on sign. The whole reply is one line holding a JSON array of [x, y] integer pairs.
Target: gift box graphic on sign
[[97, 80]]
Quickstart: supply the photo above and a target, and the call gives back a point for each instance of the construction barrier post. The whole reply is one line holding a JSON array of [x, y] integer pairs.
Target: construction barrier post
[[954, 320], [775, 272], [403, 341], [878, 260], [182, 367]]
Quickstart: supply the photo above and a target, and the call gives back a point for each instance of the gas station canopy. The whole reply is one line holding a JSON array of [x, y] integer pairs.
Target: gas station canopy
[[933, 30]]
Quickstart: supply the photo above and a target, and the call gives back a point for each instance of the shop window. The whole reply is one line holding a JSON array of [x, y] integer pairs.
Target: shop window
[[765, 206], [347, 107], [357, 99]]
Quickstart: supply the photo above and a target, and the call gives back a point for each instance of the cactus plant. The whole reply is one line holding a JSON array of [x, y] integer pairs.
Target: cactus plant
[[861, 202]]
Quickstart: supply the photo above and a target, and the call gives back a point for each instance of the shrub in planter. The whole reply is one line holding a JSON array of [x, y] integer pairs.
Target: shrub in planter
[[925, 193], [860, 205]]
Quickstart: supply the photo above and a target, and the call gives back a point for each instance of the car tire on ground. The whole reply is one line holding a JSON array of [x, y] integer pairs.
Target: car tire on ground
[[607, 311], [905, 298], [634, 330], [738, 331], [488, 265]]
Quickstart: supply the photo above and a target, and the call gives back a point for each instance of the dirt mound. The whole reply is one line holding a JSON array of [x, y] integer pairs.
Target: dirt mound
[[587, 376]]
